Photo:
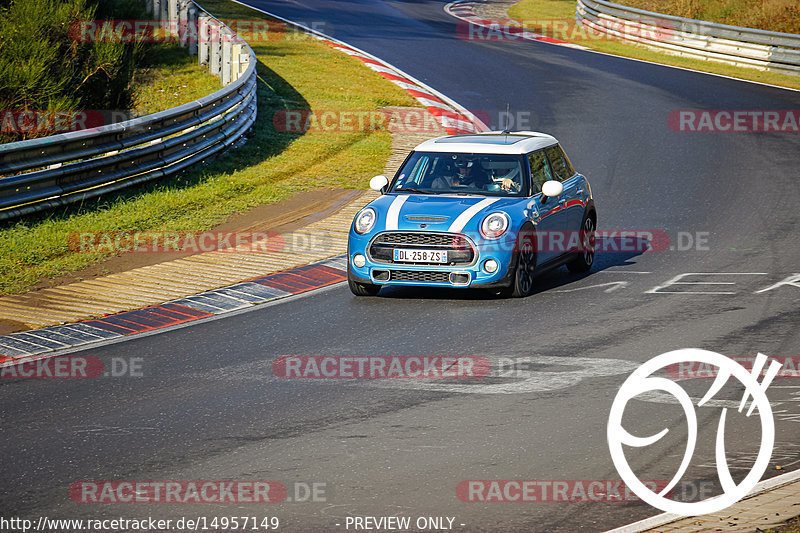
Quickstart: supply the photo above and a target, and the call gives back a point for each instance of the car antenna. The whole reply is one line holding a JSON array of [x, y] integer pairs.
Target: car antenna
[[506, 130]]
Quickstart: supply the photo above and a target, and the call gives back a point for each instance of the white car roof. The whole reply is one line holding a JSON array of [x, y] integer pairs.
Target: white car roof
[[489, 142]]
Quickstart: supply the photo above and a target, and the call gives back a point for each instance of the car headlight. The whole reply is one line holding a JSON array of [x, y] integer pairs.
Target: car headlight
[[494, 225], [365, 219]]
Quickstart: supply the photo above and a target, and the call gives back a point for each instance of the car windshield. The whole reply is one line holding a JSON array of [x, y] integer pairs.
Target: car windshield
[[456, 173]]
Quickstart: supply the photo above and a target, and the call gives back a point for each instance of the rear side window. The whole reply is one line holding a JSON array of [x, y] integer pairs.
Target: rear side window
[[562, 168], [539, 170]]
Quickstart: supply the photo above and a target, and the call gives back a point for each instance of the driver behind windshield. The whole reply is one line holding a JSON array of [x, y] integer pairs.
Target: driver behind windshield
[[469, 174]]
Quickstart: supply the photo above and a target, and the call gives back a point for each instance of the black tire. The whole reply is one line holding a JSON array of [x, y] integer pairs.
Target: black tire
[[584, 259], [523, 279], [361, 289]]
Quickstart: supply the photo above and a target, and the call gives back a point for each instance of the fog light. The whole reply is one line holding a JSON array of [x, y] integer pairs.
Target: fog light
[[459, 278], [359, 260], [490, 266]]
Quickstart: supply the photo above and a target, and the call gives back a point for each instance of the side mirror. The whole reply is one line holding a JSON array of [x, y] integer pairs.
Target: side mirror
[[378, 183], [552, 188]]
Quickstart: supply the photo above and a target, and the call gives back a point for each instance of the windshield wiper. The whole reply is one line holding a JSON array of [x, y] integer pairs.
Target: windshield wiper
[[411, 189]]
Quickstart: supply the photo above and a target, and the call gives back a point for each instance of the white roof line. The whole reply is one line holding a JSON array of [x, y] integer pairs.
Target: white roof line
[[471, 143]]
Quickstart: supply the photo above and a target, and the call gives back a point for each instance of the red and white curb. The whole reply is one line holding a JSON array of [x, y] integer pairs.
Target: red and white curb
[[453, 117], [501, 29], [21, 348]]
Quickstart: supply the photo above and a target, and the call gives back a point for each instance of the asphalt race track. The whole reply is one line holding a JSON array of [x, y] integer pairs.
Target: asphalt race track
[[209, 407]]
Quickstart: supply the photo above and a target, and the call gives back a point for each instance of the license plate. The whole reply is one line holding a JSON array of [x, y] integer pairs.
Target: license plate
[[406, 255]]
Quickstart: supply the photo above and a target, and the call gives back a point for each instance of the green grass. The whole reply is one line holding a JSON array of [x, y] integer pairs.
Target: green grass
[[293, 73], [563, 11], [170, 77], [772, 15]]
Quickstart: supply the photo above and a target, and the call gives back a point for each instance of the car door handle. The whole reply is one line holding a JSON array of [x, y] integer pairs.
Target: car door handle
[[579, 192], [562, 201]]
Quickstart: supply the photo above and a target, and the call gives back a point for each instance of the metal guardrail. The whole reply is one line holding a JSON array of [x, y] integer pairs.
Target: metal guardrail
[[56, 170], [744, 47]]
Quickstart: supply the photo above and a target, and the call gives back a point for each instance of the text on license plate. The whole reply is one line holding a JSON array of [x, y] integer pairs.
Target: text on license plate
[[420, 256]]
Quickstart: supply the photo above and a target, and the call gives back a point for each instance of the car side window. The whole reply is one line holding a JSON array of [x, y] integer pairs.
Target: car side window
[[562, 169], [540, 171]]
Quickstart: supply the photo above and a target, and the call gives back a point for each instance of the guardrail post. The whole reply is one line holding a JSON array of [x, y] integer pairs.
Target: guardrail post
[[244, 61], [202, 39], [172, 17], [214, 47], [163, 15], [191, 30], [183, 22], [236, 55], [227, 48]]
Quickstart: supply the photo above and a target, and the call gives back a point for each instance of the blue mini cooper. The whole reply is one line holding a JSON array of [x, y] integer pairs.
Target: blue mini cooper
[[488, 210]]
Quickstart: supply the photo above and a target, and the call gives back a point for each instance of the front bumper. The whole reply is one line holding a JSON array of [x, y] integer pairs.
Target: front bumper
[[473, 275]]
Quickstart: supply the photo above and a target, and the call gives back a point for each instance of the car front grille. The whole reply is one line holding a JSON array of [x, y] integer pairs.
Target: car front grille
[[440, 240], [420, 275], [459, 249]]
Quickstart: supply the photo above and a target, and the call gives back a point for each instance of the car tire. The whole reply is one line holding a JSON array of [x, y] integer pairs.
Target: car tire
[[361, 289], [585, 259], [522, 281]]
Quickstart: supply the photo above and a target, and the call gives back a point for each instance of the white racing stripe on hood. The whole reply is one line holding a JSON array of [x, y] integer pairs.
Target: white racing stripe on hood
[[459, 223], [393, 213]]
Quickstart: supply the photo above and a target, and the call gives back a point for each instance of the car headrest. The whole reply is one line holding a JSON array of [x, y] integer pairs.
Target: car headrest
[[496, 165]]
